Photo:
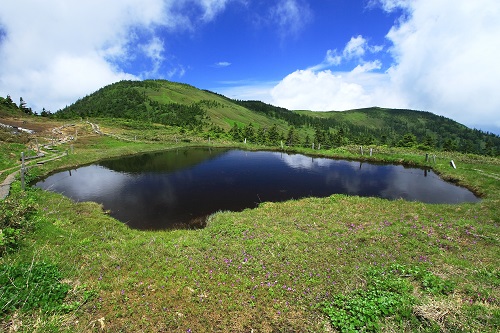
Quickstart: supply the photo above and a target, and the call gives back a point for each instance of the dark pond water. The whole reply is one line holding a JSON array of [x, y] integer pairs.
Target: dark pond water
[[180, 188]]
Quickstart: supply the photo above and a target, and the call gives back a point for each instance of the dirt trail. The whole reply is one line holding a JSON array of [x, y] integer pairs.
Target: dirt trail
[[63, 137], [5, 186]]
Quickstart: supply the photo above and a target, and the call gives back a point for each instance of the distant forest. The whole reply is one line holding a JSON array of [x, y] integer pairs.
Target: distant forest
[[404, 128]]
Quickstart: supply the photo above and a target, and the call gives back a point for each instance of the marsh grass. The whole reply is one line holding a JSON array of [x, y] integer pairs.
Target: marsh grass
[[267, 269]]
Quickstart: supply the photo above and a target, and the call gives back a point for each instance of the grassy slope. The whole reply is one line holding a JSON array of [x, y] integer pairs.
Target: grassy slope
[[224, 115], [377, 118], [265, 269], [134, 100]]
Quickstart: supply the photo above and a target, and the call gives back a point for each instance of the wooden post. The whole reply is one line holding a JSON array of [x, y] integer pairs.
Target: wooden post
[[245, 141], [319, 146], [281, 144], [313, 145], [453, 164], [208, 139], [22, 171], [361, 149], [426, 157], [371, 152], [434, 158]]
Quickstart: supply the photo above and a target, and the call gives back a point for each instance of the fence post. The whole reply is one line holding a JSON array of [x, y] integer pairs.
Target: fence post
[[371, 152], [361, 149], [22, 170]]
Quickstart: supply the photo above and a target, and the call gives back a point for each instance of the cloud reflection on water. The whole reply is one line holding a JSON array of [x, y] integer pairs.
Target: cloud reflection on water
[[236, 180]]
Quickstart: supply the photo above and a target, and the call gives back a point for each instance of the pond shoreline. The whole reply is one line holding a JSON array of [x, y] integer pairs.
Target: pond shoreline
[[154, 191]]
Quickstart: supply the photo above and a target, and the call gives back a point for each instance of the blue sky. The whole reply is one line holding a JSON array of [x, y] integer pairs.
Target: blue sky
[[322, 55]]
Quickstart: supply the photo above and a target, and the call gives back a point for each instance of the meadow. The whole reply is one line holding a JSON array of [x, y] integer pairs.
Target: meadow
[[336, 264]]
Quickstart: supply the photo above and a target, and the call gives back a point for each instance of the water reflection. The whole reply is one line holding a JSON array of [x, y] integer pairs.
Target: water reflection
[[179, 188]]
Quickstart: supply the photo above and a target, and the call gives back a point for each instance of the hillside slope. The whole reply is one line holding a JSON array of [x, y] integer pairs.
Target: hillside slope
[[177, 104], [164, 102]]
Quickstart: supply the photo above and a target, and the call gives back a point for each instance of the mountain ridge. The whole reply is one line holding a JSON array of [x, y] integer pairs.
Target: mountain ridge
[[179, 104]]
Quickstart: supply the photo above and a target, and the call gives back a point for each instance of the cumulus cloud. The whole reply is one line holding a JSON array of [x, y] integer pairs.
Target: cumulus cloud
[[444, 61], [327, 91], [319, 88], [53, 52], [356, 48], [446, 56]]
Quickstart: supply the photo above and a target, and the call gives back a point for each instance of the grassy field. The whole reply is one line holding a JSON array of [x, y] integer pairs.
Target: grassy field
[[340, 263]]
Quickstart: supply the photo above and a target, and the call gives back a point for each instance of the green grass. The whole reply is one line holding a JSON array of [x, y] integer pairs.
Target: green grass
[[275, 268], [172, 92], [10, 153]]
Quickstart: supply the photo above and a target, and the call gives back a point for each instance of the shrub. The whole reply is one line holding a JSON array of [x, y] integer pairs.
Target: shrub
[[17, 216], [31, 286], [387, 293]]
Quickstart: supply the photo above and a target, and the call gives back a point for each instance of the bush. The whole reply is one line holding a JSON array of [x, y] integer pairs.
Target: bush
[[17, 217], [31, 286], [387, 293]]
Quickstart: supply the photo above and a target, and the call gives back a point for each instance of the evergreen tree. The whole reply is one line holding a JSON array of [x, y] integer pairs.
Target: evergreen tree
[[408, 140], [260, 137], [450, 145], [292, 137], [273, 137], [307, 141], [319, 136], [249, 133], [235, 133]]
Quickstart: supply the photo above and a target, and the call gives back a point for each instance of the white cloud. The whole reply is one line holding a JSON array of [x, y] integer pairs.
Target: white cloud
[[154, 50], [327, 91], [211, 8], [290, 16], [318, 88], [367, 67], [355, 48], [445, 61], [54, 52], [222, 64], [247, 90], [447, 58]]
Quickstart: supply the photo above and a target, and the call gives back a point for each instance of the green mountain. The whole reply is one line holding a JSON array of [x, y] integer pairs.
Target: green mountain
[[164, 102], [182, 105]]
